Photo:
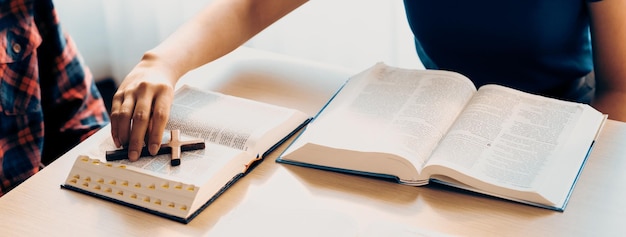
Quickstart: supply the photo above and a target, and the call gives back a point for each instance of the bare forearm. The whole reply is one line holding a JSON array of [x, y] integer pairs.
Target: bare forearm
[[608, 28], [612, 104], [217, 30]]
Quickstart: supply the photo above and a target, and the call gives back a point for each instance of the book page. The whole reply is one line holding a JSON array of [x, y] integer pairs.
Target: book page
[[392, 110], [196, 166], [229, 125], [231, 121], [518, 140]]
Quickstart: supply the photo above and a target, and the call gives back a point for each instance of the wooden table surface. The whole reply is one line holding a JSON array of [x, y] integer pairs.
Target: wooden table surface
[[283, 200]]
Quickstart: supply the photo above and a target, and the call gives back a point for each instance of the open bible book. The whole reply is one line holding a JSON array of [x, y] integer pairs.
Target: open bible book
[[238, 133], [418, 126]]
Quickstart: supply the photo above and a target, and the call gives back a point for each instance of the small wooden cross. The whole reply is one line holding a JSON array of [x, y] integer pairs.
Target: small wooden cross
[[175, 146]]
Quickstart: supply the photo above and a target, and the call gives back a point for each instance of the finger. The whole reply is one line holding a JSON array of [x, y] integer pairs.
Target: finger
[[116, 105], [145, 136], [140, 122], [160, 115], [121, 116]]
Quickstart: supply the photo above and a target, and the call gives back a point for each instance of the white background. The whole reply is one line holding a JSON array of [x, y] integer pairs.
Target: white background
[[113, 34]]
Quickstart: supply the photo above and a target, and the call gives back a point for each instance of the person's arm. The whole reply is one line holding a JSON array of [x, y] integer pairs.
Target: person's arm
[[608, 32], [141, 105]]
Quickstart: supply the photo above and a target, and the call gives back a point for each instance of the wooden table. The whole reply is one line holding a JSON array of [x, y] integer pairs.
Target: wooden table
[[283, 200]]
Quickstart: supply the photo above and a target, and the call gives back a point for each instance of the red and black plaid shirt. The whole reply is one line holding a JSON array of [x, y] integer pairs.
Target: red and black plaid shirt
[[49, 101]]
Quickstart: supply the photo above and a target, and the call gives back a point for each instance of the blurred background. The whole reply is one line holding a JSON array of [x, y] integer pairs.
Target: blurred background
[[113, 34]]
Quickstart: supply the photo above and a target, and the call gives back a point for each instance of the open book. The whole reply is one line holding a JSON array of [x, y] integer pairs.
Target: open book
[[238, 133], [418, 126]]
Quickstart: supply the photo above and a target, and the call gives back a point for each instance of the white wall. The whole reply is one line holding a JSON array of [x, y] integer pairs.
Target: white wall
[[84, 20], [113, 34]]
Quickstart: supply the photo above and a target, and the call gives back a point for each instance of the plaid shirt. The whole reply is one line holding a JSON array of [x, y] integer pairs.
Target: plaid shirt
[[49, 101]]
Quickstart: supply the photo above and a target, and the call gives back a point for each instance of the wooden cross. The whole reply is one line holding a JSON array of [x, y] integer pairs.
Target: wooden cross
[[175, 146]]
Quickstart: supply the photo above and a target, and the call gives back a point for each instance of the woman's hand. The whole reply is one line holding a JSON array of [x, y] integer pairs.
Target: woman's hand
[[141, 106], [142, 103]]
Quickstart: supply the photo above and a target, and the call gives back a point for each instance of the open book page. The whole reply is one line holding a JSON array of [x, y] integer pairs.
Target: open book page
[[387, 110], [518, 144], [231, 121], [196, 168], [229, 125]]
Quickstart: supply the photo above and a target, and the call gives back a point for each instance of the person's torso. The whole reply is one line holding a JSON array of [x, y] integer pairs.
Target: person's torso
[[533, 45]]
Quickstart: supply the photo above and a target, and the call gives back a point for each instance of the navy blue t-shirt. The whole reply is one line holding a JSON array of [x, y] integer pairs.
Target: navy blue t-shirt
[[541, 46]]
